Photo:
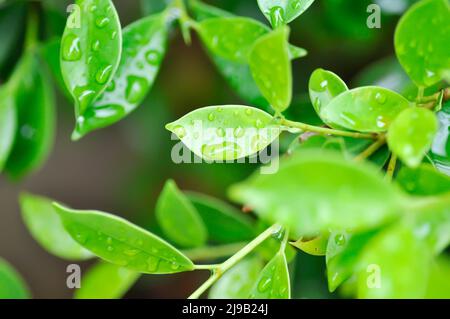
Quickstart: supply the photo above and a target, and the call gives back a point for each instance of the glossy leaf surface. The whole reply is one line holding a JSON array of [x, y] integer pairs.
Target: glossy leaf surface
[[238, 282], [425, 180], [178, 218], [438, 283], [91, 48], [144, 46], [45, 226], [7, 125], [106, 281], [357, 196], [280, 12], [225, 223], [411, 134], [12, 285], [323, 87], [270, 65], [229, 132], [273, 281], [365, 109], [122, 243], [316, 246], [421, 42]]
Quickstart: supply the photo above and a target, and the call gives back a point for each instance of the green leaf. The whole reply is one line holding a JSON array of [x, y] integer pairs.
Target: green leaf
[[122, 243], [204, 11], [45, 226], [440, 150], [91, 48], [425, 180], [365, 109], [144, 46], [273, 281], [11, 21], [7, 124], [395, 264], [323, 87], [34, 103], [238, 282], [106, 281], [313, 246], [271, 68], [225, 224], [221, 133], [425, 58], [178, 218], [231, 37], [280, 12], [50, 52], [357, 196], [12, 285], [411, 134], [438, 283], [342, 253], [152, 6]]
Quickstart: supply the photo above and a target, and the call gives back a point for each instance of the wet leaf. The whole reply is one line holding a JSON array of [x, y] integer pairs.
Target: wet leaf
[[106, 281], [219, 133], [45, 226], [280, 12], [122, 243], [411, 134], [365, 109], [316, 246], [440, 150], [225, 223], [7, 124], [395, 264], [425, 58], [270, 65], [12, 285], [238, 282], [323, 87], [34, 102], [91, 48], [178, 218], [144, 46], [358, 197], [273, 281], [425, 180]]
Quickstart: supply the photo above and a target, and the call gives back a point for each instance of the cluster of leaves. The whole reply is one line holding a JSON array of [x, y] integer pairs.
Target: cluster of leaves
[[381, 238]]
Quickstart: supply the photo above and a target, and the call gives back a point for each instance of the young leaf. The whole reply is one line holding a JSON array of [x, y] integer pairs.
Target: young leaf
[[12, 285], [425, 57], [238, 282], [440, 150], [225, 224], [45, 226], [122, 243], [411, 134], [34, 103], [7, 124], [438, 283], [273, 281], [231, 37], [357, 196], [323, 87], [203, 11], [280, 12], [342, 253], [106, 281], [144, 46], [316, 246], [365, 109], [178, 218], [271, 68], [395, 264], [221, 133], [91, 48], [425, 180]]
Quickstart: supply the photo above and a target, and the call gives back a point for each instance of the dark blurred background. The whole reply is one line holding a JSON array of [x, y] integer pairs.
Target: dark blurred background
[[121, 169]]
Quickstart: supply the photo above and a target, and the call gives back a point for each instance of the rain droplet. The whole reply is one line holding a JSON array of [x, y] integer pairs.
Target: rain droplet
[[259, 123], [340, 239], [136, 89], [93, 8], [71, 50], [264, 284], [221, 151], [174, 266], [103, 74], [249, 112], [152, 263], [101, 21], [152, 57], [220, 132], [238, 132], [131, 252], [111, 86], [211, 117], [276, 16], [380, 98], [95, 45], [110, 248], [113, 35], [179, 131]]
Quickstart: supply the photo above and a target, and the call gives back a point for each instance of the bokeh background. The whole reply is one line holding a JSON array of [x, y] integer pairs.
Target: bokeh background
[[121, 169]]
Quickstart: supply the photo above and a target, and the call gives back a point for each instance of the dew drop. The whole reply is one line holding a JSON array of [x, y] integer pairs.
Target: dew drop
[[110, 248], [109, 240], [276, 16], [95, 45], [111, 86], [380, 98], [152, 57], [211, 116], [101, 21], [238, 132], [249, 112], [174, 266], [93, 8], [340, 239], [221, 151], [152, 263], [71, 50], [264, 284], [295, 5], [131, 252], [259, 123], [220, 132], [179, 131], [103, 74], [136, 89], [113, 35]]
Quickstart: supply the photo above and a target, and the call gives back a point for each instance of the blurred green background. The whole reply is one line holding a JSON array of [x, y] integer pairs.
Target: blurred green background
[[121, 169]]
